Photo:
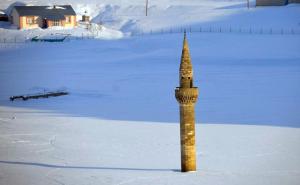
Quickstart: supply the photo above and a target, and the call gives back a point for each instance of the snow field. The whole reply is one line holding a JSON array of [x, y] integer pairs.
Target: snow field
[[119, 125], [74, 150], [253, 81]]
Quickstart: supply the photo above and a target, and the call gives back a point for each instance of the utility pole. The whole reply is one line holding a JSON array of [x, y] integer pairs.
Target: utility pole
[[146, 7], [248, 4]]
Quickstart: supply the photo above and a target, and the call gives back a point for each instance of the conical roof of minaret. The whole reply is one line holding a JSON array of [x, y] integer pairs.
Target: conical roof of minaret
[[186, 64]]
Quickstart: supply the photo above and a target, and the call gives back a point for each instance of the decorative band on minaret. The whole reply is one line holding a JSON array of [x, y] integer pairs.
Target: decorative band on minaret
[[186, 96]]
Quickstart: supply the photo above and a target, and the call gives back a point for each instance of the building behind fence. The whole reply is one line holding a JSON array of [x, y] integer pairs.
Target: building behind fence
[[275, 2], [294, 1]]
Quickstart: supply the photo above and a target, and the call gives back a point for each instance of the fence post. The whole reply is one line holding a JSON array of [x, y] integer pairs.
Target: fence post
[[200, 29], [292, 31]]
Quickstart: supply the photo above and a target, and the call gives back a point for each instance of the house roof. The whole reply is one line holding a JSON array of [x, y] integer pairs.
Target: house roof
[[2, 12], [46, 12]]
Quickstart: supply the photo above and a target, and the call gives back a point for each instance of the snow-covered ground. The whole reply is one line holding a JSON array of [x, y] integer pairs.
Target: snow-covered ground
[[75, 140], [243, 79], [119, 125], [38, 147]]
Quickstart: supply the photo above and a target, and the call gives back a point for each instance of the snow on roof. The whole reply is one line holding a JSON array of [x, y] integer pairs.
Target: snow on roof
[[55, 7]]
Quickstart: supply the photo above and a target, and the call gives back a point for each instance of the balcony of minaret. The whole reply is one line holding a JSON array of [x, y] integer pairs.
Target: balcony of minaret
[[186, 95]]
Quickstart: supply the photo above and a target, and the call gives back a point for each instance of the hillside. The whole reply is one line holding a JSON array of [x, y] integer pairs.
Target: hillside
[[129, 16]]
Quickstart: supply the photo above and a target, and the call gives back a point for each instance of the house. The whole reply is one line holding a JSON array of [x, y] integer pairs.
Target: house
[[275, 2], [43, 16], [271, 2]]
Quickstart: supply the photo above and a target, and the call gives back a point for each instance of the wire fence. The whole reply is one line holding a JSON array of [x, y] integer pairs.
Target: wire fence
[[18, 41], [223, 29]]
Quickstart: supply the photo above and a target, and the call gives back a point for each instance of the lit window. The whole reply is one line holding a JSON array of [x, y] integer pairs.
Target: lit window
[[30, 20], [56, 23], [68, 19]]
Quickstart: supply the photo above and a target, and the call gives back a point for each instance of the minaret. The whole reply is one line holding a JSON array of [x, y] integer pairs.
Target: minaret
[[186, 96]]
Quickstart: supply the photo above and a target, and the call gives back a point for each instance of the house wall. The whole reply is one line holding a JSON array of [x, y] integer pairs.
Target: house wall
[[63, 23], [50, 23], [71, 24], [15, 19], [271, 2], [24, 24], [40, 22]]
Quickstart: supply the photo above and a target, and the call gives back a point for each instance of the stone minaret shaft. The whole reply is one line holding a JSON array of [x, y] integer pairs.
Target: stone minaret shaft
[[186, 96]]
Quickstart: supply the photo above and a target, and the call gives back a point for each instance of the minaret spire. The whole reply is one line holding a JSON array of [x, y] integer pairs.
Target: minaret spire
[[186, 96], [185, 44], [186, 68]]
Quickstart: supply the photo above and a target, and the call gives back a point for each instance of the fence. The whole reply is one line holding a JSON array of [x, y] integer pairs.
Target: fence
[[224, 29], [14, 42], [17, 41]]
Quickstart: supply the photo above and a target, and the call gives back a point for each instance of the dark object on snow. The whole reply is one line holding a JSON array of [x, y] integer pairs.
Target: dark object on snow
[[40, 95], [36, 39]]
